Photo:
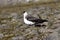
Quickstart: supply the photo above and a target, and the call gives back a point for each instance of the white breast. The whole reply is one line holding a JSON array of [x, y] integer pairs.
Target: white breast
[[28, 22]]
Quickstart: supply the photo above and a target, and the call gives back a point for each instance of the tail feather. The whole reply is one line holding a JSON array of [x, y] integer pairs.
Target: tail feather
[[41, 21]]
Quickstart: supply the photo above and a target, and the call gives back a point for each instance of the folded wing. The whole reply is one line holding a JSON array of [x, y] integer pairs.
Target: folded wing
[[34, 19]]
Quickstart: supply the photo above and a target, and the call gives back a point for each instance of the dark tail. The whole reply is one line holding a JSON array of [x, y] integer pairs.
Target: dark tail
[[41, 21]]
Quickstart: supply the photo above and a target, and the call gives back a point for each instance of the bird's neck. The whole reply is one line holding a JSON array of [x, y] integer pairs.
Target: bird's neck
[[24, 16]]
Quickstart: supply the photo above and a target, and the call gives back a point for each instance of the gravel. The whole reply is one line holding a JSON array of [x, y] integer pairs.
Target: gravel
[[13, 27]]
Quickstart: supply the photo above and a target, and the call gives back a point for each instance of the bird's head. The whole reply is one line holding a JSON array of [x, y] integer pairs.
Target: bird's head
[[25, 13]]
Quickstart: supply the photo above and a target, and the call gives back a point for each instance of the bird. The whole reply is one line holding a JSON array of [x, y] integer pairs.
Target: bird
[[31, 20]]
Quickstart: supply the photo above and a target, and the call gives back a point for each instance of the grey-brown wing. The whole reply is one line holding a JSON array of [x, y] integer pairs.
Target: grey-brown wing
[[31, 18], [34, 19]]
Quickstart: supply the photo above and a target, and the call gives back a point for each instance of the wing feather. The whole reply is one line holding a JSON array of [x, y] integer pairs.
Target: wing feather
[[34, 19]]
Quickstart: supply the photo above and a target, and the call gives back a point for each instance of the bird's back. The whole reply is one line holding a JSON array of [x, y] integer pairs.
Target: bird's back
[[34, 19]]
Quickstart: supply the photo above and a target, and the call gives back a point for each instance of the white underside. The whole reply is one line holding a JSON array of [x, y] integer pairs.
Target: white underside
[[28, 22]]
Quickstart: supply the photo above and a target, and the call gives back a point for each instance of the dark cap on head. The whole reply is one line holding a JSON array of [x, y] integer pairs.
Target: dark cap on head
[[24, 11]]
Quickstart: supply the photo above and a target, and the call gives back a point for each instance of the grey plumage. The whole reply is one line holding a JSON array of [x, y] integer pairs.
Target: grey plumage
[[34, 19]]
